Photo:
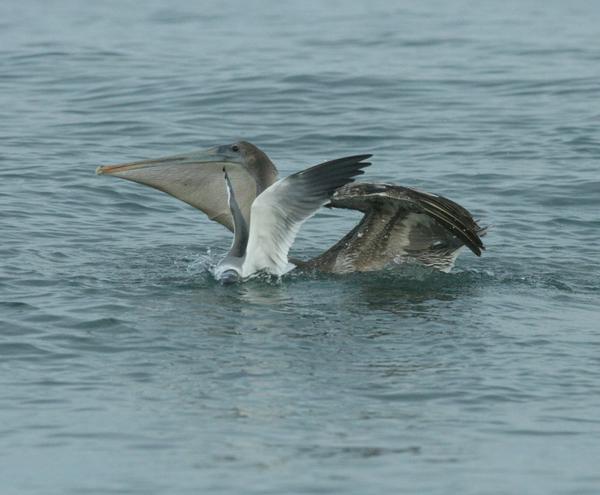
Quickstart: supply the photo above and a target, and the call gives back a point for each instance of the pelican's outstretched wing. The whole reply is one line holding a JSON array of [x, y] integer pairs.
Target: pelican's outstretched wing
[[279, 211], [399, 224]]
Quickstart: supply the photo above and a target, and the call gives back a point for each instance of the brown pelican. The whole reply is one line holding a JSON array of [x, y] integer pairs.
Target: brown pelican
[[276, 216], [399, 224]]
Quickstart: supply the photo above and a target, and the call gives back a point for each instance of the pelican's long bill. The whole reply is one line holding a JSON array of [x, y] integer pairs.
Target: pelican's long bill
[[197, 177]]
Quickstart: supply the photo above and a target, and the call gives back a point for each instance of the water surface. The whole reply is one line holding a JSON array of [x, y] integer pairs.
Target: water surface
[[124, 368]]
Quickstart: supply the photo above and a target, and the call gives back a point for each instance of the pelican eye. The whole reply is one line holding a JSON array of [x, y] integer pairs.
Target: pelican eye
[[235, 148]]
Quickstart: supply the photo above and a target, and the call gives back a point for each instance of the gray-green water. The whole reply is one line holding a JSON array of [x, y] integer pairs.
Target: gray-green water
[[124, 368]]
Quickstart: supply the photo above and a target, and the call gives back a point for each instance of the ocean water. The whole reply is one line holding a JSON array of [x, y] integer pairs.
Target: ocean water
[[124, 367]]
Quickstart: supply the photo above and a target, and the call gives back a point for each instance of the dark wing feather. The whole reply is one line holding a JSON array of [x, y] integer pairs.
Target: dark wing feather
[[452, 216]]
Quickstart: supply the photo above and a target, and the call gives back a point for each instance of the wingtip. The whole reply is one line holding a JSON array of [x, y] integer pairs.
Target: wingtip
[[476, 247], [360, 158]]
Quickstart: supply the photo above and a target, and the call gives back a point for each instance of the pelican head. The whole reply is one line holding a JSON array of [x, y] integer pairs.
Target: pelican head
[[197, 178]]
